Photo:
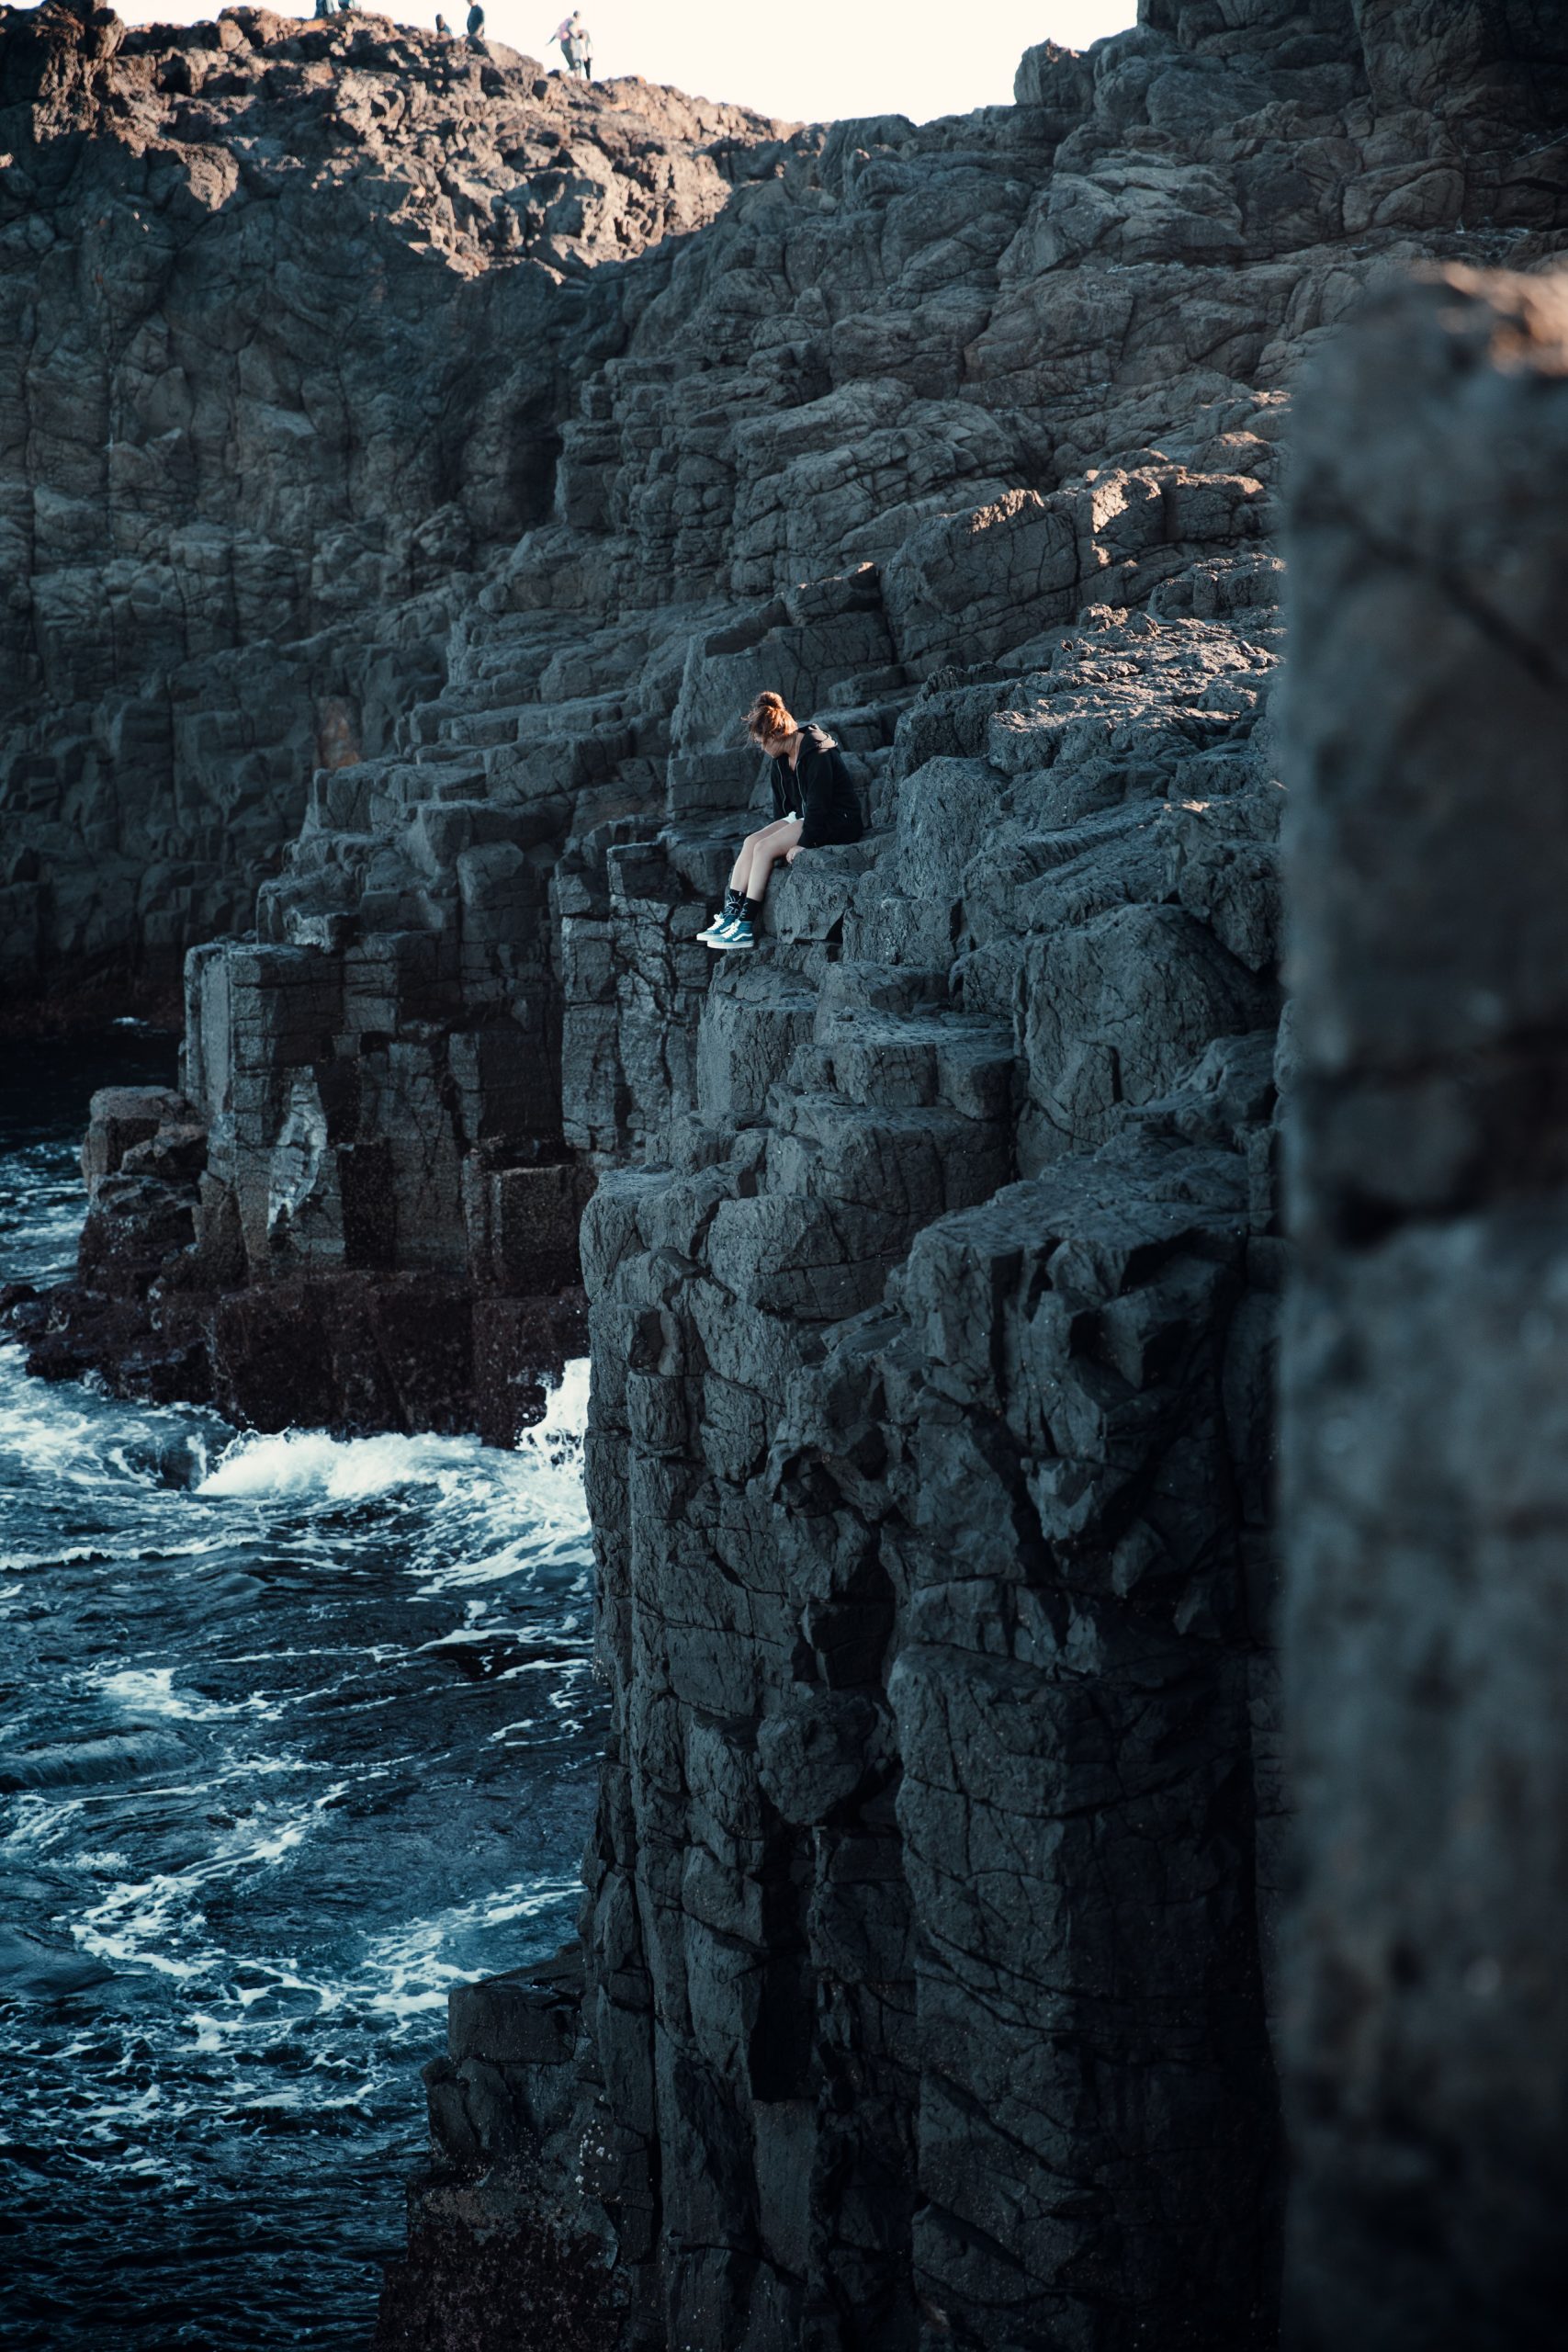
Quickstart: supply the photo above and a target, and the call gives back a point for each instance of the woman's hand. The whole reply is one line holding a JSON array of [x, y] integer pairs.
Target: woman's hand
[[790, 854]]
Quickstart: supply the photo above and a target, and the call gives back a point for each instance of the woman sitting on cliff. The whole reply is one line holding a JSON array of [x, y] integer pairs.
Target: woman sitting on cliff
[[814, 806]]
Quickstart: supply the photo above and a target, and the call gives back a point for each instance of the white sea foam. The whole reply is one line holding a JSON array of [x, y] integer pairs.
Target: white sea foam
[[71, 1557], [406, 1972], [307, 1463], [537, 1511], [498, 1513], [41, 1432], [157, 1923], [149, 1690], [566, 1416], [48, 1436]]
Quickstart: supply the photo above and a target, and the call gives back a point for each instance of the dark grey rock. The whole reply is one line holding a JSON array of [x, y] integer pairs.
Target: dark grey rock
[[933, 1251], [1422, 1379]]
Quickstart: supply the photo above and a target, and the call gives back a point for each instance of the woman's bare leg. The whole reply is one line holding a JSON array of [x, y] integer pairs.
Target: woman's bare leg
[[740, 872], [760, 853]]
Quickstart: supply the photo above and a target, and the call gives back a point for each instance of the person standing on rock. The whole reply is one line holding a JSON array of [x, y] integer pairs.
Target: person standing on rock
[[476, 26], [575, 42], [814, 807]]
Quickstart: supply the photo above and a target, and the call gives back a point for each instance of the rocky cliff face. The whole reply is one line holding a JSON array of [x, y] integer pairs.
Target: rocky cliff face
[[1424, 1366], [290, 314], [933, 1254]]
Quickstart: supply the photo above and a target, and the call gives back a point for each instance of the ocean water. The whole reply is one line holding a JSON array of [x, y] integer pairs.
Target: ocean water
[[295, 1733]]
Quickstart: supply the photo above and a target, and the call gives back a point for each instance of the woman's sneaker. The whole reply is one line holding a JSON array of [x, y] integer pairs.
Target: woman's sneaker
[[734, 905], [734, 934]]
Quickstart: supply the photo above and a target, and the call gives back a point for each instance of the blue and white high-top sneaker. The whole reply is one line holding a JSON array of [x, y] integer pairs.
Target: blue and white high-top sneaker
[[734, 904], [733, 934]]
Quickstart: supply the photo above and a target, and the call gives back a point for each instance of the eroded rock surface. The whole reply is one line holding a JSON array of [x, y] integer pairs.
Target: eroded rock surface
[[934, 1255], [1424, 1371]]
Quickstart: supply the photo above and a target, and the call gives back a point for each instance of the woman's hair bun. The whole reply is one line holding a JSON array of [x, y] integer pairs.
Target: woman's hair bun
[[768, 717]]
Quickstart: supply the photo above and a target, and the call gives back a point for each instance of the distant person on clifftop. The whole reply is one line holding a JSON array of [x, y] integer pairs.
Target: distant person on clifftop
[[476, 26], [575, 42], [814, 807], [443, 29]]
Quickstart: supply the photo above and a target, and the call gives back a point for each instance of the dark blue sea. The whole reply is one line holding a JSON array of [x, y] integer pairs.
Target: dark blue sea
[[295, 1733]]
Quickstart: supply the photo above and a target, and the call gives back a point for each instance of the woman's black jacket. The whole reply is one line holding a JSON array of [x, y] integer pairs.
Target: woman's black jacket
[[820, 791]]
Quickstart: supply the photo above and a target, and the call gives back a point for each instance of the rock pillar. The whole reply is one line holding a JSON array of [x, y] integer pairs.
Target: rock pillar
[[1426, 1372]]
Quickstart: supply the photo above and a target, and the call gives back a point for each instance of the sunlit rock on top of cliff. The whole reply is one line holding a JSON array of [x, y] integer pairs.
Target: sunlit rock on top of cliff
[[476, 154]]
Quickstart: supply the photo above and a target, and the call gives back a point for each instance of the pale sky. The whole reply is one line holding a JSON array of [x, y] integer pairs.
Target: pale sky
[[803, 59]]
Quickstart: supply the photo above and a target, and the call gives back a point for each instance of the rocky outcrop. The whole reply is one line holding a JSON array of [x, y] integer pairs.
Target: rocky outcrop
[[162, 1302], [290, 313], [934, 1255], [1424, 1369]]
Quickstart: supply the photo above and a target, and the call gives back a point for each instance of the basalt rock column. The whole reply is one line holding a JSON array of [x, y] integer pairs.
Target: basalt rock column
[[1427, 1366]]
